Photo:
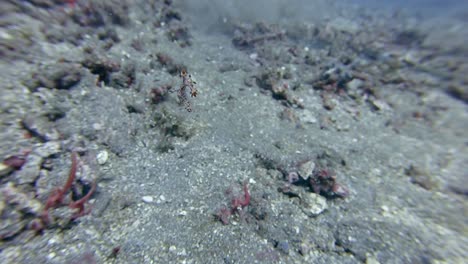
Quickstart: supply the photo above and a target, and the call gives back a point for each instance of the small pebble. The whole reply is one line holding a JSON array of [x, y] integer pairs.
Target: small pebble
[[102, 157], [379, 105], [51, 255], [182, 213], [182, 252], [97, 126], [4, 169], [147, 199], [283, 246], [304, 248], [172, 248], [161, 199]]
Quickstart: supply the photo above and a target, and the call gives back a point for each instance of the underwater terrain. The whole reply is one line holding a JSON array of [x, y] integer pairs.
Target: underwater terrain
[[138, 131]]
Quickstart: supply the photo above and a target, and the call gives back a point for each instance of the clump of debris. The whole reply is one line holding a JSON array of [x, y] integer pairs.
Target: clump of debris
[[320, 179], [237, 206]]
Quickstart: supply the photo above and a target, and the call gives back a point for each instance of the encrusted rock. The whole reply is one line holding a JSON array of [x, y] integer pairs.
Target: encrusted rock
[[48, 149], [15, 207], [11, 224], [313, 204], [19, 200], [30, 171], [40, 127], [58, 76], [305, 169]]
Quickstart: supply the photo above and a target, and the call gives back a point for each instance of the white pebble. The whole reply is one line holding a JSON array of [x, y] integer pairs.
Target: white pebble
[[4, 169], [147, 199], [183, 213], [172, 248], [102, 157], [97, 126]]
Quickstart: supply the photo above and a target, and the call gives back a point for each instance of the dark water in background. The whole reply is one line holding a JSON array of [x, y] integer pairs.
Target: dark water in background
[[420, 7], [298, 11]]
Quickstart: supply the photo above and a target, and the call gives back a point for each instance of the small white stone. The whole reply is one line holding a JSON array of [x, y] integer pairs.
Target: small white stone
[[380, 105], [5, 35], [183, 252], [102, 157], [172, 248], [183, 213], [97, 126], [51, 255], [297, 229], [4, 169], [147, 199]]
